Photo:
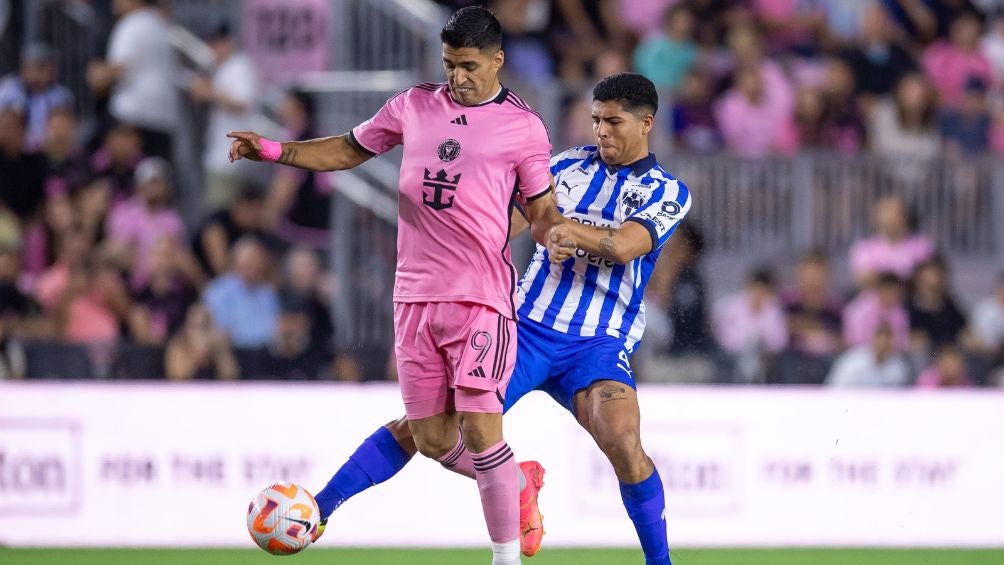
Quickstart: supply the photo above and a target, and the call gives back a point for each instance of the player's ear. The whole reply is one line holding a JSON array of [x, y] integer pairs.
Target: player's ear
[[498, 59], [647, 122]]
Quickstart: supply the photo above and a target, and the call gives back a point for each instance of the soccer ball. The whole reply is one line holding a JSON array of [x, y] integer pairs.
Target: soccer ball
[[283, 518]]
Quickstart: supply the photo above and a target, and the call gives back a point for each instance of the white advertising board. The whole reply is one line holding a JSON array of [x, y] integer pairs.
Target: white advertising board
[[176, 464]]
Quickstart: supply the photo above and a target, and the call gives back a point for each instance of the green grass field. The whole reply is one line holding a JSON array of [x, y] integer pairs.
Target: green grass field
[[316, 556]]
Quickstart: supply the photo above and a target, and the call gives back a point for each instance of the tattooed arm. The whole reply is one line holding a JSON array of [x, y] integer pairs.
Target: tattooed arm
[[333, 153], [620, 245]]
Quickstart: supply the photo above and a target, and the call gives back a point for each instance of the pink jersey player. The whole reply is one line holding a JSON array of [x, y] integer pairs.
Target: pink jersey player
[[470, 148], [458, 174]]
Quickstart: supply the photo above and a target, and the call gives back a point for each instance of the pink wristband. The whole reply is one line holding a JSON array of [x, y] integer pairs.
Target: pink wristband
[[270, 150]]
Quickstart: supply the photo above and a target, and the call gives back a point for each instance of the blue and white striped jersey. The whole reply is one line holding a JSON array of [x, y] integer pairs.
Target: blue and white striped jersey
[[590, 295]]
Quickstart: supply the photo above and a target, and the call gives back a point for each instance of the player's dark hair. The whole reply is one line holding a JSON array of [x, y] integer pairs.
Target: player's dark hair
[[635, 93], [473, 26]]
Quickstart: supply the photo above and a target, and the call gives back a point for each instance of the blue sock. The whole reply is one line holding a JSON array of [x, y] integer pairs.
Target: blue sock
[[376, 460], [646, 506]]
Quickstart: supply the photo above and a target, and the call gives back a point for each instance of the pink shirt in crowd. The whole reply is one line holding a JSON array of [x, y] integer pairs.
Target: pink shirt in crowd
[[739, 326], [755, 130], [133, 224], [950, 67], [458, 173], [879, 255], [88, 319], [931, 378], [864, 315]]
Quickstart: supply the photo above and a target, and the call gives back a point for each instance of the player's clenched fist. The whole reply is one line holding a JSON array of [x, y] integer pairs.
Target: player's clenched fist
[[560, 244]]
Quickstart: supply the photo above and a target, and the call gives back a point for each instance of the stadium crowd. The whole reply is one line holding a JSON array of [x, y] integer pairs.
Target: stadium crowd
[[102, 274]]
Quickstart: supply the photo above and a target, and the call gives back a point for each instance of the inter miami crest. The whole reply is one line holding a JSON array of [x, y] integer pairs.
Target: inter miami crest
[[449, 150]]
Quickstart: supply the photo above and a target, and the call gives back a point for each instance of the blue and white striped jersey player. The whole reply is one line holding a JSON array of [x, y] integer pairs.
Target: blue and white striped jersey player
[[580, 316]]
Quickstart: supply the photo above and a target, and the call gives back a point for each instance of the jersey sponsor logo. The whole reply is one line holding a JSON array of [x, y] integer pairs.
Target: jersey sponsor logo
[[567, 186], [439, 184], [448, 150], [669, 208], [460, 121]]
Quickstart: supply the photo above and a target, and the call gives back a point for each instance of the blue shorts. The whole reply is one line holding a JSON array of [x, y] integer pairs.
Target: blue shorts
[[562, 365]]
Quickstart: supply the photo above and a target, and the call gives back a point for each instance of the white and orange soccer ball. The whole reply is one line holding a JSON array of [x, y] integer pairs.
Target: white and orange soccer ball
[[283, 519]]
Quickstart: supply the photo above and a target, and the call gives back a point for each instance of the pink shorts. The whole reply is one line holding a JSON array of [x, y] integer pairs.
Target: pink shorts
[[452, 355]]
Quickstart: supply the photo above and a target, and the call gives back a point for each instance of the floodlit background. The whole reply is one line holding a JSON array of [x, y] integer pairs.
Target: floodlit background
[[825, 343]]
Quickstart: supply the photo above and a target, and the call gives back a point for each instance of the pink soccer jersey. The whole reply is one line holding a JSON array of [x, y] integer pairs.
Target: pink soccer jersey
[[460, 169]]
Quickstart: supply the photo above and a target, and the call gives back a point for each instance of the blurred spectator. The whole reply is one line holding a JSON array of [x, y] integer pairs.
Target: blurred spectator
[[791, 25], [581, 31], [992, 46], [67, 169], [752, 123], [935, 319], [950, 64], [160, 305], [880, 306], [813, 310], [878, 63], [136, 225], [948, 370], [84, 293], [15, 305], [114, 163], [986, 322], [693, 122], [876, 363], [666, 57], [13, 360], [751, 325], [842, 125], [244, 303], [843, 19], [906, 126], [34, 93], [524, 26], [22, 173], [138, 75], [307, 288], [230, 93], [10, 229], [293, 354], [755, 115], [678, 296], [199, 351], [892, 248], [244, 217], [966, 129], [926, 20], [299, 202]]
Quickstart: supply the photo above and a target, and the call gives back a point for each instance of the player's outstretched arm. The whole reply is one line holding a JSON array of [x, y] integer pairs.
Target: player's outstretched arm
[[620, 245], [335, 153]]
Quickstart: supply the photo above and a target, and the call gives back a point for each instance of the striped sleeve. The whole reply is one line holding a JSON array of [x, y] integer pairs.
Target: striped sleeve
[[662, 213]]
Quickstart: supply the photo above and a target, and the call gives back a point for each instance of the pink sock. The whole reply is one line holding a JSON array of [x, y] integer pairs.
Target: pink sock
[[458, 459], [498, 482]]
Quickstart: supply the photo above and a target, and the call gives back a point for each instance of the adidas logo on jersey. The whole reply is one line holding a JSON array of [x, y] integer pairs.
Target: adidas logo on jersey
[[460, 121], [479, 373]]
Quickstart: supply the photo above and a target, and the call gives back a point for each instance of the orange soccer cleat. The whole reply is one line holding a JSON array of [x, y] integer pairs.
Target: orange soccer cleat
[[531, 521]]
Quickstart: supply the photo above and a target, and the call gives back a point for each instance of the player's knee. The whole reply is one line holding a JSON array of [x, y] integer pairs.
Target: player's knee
[[623, 449], [434, 446]]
